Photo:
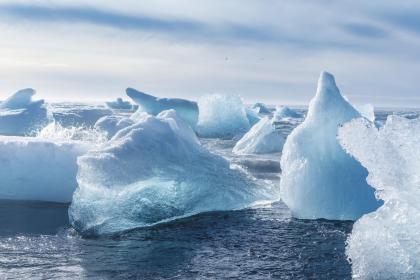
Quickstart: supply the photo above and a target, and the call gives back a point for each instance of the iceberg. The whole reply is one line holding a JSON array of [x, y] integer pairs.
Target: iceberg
[[38, 169], [186, 110], [385, 244], [262, 138], [261, 108], [152, 172], [19, 115], [285, 112], [222, 116], [119, 104], [319, 179]]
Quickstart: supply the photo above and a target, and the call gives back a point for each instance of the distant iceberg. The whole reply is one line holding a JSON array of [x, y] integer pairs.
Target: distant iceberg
[[263, 138], [79, 115], [119, 104], [155, 171], [385, 244], [38, 169], [319, 179], [285, 112], [19, 115], [222, 116], [261, 108], [186, 110]]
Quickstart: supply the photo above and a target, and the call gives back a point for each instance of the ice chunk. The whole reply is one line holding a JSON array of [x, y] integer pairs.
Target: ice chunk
[[385, 244], [119, 104], [187, 110], [112, 124], [155, 171], [263, 138], [285, 112], [261, 108], [252, 117], [319, 179], [222, 116], [38, 169], [19, 115], [79, 115]]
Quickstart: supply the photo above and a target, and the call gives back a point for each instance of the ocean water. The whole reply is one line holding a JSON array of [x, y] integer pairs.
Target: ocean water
[[36, 241]]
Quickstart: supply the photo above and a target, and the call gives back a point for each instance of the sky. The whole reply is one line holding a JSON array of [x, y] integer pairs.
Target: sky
[[268, 51]]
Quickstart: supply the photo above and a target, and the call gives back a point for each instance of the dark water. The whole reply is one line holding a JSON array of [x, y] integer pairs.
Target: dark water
[[37, 243]]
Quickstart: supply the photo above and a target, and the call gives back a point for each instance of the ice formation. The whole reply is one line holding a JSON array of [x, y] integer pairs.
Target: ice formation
[[119, 104], [367, 111], [112, 124], [186, 110], [38, 169], [54, 131], [261, 108], [155, 171], [80, 115], [262, 138], [19, 115], [285, 112], [252, 117], [385, 244], [319, 179], [222, 116]]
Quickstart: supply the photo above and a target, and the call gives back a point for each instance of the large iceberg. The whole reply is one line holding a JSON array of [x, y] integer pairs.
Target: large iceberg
[[319, 179], [155, 171], [222, 116], [262, 138], [38, 169], [385, 244], [186, 110], [119, 104], [19, 115]]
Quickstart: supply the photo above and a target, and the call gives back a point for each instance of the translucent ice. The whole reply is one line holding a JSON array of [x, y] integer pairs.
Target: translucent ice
[[385, 244], [38, 169], [252, 116], [263, 138], [187, 110], [119, 104], [319, 179], [19, 115], [222, 116], [155, 171]]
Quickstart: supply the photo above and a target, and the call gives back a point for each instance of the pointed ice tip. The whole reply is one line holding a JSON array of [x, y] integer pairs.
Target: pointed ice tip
[[326, 79]]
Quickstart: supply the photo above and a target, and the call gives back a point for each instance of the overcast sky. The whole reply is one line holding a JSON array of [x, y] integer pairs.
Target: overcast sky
[[265, 50]]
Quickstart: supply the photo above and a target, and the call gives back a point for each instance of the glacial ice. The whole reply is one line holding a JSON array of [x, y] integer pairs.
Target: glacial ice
[[367, 111], [319, 179], [186, 110], [119, 104], [385, 244], [19, 115], [155, 171], [262, 138], [261, 108], [38, 169], [222, 116]]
